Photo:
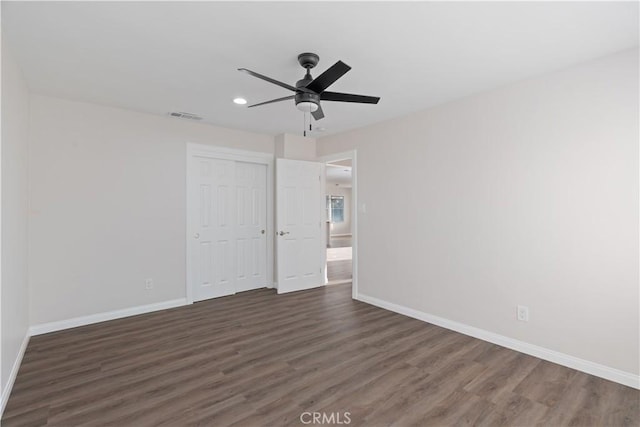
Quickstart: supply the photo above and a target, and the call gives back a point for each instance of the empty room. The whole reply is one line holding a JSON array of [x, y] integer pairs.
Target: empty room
[[320, 213]]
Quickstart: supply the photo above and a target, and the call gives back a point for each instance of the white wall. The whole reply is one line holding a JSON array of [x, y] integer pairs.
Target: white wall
[[341, 227], [108, 205], [295, 147], [523, 195], [13, 291]]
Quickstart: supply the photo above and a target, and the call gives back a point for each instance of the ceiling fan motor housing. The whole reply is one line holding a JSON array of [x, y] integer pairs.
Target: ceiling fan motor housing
[[306, 101]]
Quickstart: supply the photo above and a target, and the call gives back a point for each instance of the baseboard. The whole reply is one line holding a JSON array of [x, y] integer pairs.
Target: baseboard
[[45, 328], [602, 371], [338, 282], [14, 373]]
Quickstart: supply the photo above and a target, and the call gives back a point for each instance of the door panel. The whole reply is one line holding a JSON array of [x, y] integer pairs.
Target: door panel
[[213, 231], [299, 205], [204, 244], [205, 258], [251, 189]]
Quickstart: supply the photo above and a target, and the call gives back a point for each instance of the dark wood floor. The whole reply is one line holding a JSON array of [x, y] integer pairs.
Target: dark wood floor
[[339, 270], [261, 359]]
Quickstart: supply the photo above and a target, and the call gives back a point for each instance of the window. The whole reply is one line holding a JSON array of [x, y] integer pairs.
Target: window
[[335, 208]]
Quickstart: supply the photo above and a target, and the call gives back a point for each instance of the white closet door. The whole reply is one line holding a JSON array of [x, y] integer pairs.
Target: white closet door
[[214, 233], [251, 215], [227, 213]]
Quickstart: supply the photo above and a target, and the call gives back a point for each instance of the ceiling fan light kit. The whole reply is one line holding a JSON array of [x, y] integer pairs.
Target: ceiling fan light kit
[[309, 91], [306, 106]]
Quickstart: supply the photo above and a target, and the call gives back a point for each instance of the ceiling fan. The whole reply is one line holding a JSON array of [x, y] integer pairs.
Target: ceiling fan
[[309, 91]]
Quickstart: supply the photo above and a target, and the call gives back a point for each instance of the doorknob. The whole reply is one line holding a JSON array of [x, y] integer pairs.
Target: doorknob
[[196, 236], [261, 231], [282, 233]]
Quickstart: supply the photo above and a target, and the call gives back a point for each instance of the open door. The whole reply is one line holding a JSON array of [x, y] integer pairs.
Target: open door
[[300, 246]]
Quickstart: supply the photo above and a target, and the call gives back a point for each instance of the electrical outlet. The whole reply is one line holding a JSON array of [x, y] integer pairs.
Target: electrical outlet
[[148, 284], [523, 313]]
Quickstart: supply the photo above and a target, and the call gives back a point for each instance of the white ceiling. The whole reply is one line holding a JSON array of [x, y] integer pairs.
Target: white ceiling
[[338, 175], [172, 56]]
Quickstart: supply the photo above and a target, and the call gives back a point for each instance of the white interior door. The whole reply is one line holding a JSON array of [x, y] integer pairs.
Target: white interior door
[[227, 217], [251, 214], [299, 240]]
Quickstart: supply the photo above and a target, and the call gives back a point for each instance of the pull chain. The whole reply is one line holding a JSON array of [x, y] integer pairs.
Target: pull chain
[[304, 123]]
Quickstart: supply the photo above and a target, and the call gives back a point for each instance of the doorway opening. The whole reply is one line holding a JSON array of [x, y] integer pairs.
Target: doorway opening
[[339, 221]]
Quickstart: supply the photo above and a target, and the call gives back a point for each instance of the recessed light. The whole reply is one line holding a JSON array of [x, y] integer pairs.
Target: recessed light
[[240, 101]]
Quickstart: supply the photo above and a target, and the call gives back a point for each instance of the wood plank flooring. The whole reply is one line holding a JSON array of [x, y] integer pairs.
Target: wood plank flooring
[[339, 270], [257, 359]]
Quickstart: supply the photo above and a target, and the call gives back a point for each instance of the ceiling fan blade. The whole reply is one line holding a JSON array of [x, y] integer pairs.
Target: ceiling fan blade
[[273, 100], [268, 79], [349, 97], [318, 114], [327, 78]]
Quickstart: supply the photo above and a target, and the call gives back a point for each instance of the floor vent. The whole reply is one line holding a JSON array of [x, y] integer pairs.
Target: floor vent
[[183, 115]]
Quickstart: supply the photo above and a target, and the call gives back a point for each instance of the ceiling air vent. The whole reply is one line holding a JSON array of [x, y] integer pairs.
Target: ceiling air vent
[[183, 115]]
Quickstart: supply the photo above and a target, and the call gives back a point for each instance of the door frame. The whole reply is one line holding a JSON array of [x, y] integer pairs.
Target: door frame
[[349, 155], [225, 153]]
